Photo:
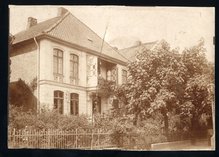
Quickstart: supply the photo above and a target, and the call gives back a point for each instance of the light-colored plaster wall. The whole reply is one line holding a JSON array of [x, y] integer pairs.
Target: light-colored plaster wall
[[24, 63], [120, 68], [46, 62], [47, 97]]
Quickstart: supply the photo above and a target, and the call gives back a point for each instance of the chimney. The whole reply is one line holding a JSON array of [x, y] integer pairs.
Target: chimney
[[62, 11], [137, 43], [115, 48], [31, 22]]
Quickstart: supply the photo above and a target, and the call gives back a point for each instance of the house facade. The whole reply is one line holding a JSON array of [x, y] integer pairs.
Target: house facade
[[66, 58]]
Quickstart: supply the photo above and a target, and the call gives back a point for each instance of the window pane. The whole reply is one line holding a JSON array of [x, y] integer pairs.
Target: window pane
[[55, 103], [60, 66], [75, 70], [74, 66], [71, 57], [56, 93], [71, 69], [60, 53], [55, 53], [75, 58], [76, 108], [60, 106], [61, 94], [74, 103], [55, 62]]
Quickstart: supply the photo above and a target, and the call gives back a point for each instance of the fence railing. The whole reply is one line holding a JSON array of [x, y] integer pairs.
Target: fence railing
[[86, 139], [71, 139]]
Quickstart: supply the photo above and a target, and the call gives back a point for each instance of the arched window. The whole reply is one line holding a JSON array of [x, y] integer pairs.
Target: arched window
[[58, 101], [74, 104], [74, 69], [57, 61]]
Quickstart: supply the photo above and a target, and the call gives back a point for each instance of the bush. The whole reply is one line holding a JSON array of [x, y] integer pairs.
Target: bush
[[125, 134], [122, 131], [19, 119]]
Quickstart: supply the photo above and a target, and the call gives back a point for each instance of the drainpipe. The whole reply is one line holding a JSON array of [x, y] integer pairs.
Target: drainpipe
[[38, 74]]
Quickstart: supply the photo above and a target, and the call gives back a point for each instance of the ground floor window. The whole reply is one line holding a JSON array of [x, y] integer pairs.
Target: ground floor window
[[58, 101], [74, 104]]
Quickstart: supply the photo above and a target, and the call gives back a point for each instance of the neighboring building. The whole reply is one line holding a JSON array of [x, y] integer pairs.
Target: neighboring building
[[130, 52], [66, 58]]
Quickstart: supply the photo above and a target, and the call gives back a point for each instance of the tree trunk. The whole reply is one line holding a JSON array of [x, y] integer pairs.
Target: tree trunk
[[136, 119], [166, 124], [194, 128]]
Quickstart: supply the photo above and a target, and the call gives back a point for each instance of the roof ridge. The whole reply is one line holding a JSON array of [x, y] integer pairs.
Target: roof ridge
[[140, 45], [98, 36], [56, 23]]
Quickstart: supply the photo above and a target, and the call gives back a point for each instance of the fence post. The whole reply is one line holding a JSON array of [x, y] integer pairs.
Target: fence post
[[48, 134], [98, 137], [91, 139], [76, 138], [14, 137]]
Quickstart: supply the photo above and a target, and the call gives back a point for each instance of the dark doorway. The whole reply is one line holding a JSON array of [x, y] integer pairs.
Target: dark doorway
[[96, 103]]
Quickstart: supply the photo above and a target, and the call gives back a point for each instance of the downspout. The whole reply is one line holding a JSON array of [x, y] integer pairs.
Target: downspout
[[38, 75]]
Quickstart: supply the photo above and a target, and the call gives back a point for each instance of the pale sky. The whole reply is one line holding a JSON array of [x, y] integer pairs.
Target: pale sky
[[180, 26]]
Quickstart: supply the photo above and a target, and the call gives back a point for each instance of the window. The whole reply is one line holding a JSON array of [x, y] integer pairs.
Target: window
[[58, 61], [124, 76], [58, 101], [74, 69], [74, 104], [58, 65]]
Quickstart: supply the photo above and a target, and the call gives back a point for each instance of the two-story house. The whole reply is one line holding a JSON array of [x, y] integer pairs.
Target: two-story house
[[66, 58]]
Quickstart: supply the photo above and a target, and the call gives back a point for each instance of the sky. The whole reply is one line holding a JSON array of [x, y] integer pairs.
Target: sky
[[181, 27]]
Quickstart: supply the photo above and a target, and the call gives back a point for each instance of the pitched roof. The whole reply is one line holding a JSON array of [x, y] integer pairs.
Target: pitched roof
[[35, 30], [131, 52], [72, 30]]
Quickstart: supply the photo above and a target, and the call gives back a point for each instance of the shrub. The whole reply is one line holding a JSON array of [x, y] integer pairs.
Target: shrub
[[19, 119], [125, 134]]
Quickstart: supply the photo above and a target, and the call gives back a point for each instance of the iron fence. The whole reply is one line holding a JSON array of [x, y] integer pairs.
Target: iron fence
[[60, 139]]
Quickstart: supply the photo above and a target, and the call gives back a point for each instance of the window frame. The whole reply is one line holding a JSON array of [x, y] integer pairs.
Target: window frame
[[58, 96], [59, 57], [74, 68], [74, 104]]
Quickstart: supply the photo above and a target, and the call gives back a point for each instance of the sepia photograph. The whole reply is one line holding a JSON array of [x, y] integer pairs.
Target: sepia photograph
[[111, 78]]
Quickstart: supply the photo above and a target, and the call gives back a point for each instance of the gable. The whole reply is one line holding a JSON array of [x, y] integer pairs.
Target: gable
[[74, 31], [70, 29]]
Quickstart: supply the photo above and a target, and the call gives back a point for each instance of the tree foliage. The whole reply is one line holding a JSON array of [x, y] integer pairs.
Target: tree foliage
[[165, 81]]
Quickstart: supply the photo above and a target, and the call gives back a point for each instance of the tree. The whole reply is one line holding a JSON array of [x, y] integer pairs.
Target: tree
[[154, 83], [198, 96], [10, 41]]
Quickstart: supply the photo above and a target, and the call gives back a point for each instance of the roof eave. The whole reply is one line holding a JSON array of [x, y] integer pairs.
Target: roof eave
[[81, 48]]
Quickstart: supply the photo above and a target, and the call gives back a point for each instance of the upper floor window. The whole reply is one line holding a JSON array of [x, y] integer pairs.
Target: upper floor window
[[124, 76], [58, 61], [74, 104], [58, 65], [58, 101], [74, 68]]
